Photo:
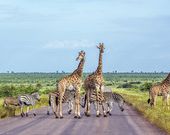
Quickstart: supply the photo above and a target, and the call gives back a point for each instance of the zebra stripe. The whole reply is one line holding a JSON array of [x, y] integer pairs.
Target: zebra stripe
[[28, 100], [67, 98], [93, 97], [109, 98]]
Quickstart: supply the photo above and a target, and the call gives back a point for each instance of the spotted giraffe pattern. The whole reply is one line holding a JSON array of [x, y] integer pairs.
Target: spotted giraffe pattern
[[94, 82], [71, 82], [165, 90], [154, 91]]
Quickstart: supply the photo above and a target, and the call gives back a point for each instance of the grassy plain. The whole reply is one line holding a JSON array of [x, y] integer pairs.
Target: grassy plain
[[133, 86]]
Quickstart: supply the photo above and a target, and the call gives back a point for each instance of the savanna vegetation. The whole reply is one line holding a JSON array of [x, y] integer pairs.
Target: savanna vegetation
[[133, 86]]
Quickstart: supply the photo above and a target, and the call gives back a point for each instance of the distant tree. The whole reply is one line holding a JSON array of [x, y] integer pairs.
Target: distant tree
[[38, 86], [12, 72]]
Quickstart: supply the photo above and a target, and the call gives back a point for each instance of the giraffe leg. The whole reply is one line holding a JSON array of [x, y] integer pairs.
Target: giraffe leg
[[78, 104], [56, 112], [87, 113], [97, 104], [97, 101], [86, 103], [75, 108], [104, 112], [154, 100], [163, 100], [103, 103], [55, 106], [60, 105], [167, 101]]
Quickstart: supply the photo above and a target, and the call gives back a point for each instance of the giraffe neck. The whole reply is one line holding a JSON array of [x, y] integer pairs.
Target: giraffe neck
[[79, 69], [166, 80], [99, 68]]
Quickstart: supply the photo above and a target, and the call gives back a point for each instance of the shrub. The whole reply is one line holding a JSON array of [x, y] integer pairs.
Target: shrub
[[125, 85], [146, 86], [137, 82], [11, 90]]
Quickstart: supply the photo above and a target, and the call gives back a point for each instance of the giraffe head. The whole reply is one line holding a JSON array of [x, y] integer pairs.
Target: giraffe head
[[81, 55], [101, 47]]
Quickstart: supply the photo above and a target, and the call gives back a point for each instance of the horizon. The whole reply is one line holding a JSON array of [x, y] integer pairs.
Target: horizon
[[62, 72], [46, 36]]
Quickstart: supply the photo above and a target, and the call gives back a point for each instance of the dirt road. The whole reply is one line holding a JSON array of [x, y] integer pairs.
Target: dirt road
[[128, 122]]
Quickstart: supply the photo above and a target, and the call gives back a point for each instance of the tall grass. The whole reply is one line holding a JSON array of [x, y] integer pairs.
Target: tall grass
[[158, 115]]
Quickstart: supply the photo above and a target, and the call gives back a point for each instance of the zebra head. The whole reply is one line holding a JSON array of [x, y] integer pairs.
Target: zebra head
[[36, 96]]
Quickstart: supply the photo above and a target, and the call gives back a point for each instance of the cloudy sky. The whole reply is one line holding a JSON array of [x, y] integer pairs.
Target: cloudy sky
[[46, 35]]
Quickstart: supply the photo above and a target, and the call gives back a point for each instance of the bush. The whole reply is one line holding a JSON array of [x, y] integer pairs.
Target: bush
[[108, 83], [125, 85], [137, 82], [11, 90], [146, 86]]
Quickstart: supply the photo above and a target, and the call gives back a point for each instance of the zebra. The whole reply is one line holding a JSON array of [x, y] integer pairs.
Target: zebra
[[67, 98], [108, 97], [113, 97], [28, 100]]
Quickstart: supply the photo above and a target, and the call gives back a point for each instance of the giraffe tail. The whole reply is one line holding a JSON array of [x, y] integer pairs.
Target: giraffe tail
[[149, 100]]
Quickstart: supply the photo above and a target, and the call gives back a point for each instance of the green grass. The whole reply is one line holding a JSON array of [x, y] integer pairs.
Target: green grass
[[158, 115]]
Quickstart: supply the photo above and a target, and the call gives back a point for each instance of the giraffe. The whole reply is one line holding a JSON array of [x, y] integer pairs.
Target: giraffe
[[154, 91], [71, 82], [165, 90], [94, 82]]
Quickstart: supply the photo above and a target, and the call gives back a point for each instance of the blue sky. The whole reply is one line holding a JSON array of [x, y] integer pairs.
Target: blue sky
[[45, 36]]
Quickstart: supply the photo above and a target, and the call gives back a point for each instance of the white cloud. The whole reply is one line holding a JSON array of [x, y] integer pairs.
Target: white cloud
[[69, 44]]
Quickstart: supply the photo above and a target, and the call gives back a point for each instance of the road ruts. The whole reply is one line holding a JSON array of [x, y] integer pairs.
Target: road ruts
[[128, 122]]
